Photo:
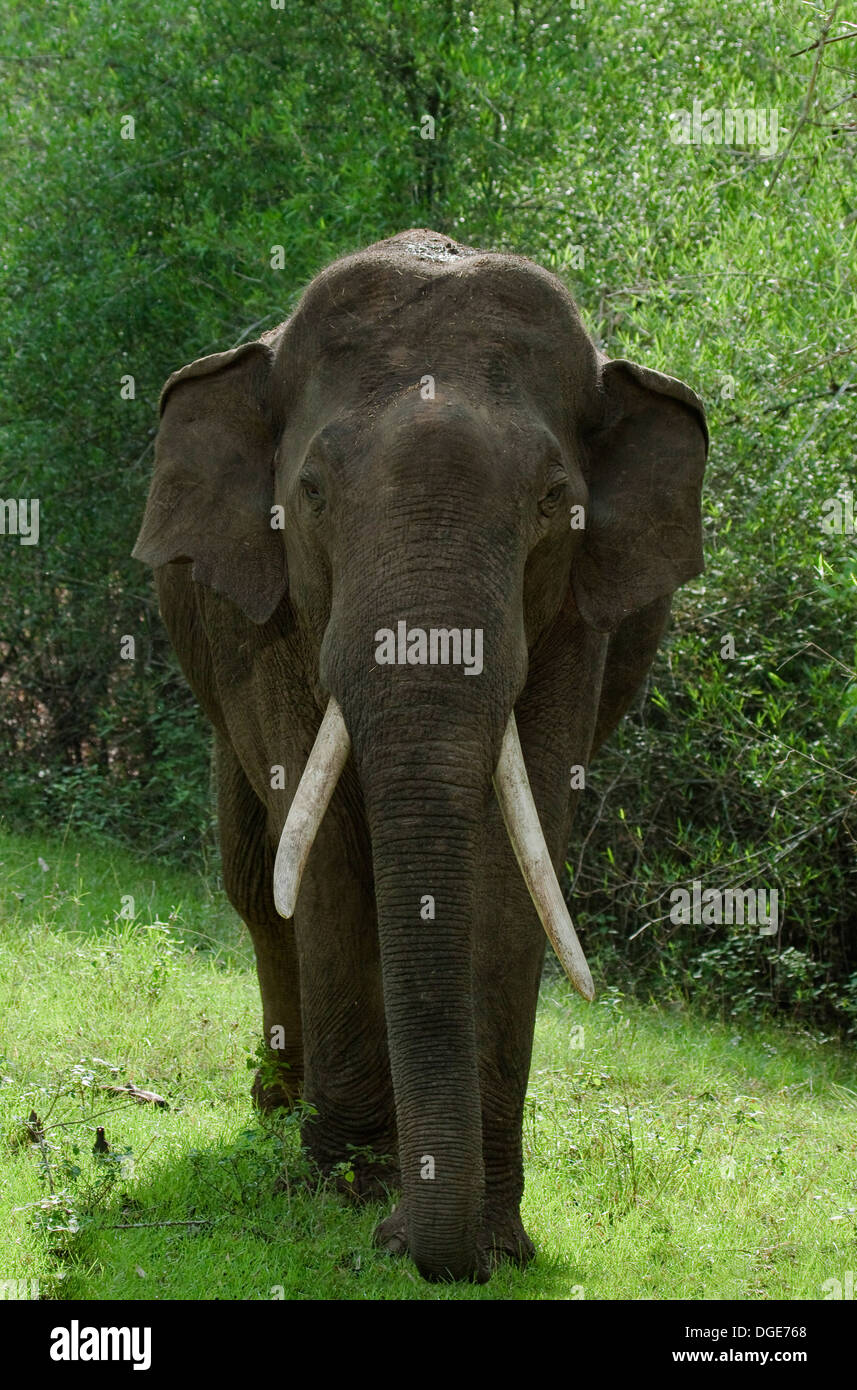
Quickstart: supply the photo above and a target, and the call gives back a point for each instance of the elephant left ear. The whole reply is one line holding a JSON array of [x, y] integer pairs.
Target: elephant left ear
[[210, 501], [643, 531]]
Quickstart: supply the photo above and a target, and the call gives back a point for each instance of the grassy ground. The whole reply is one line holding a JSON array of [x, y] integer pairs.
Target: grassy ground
[[666, 1157]]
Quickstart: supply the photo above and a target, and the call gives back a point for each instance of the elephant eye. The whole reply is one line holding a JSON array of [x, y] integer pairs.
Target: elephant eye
[[552, 498], [311, 489]]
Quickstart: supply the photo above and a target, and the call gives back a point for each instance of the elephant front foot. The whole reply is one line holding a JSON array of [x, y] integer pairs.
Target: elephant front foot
[[503, 1239], [359, 1164], [506, 1239], [276, 1086]]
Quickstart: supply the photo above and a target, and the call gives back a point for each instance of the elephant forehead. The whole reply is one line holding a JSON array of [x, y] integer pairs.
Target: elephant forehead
[[410, 310], [459, 421]]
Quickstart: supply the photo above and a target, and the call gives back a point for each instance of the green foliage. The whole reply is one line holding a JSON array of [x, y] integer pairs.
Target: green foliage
[[303, 127]]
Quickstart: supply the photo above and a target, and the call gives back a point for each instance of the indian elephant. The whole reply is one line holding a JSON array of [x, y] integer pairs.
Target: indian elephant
[[429, 457]]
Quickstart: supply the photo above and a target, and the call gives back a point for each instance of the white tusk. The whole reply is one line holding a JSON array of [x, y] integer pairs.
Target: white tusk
[[521, 818], [324, 767]]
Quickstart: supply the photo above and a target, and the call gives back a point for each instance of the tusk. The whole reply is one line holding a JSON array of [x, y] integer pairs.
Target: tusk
[[320, 776], [521, 818]]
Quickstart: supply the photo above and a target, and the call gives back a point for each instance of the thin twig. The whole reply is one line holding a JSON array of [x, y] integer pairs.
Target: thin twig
[[787, 849], [95, 1115], [138, 1225], [822, 362], [819, 42], [805, 400], [797, 839], [810, 95]]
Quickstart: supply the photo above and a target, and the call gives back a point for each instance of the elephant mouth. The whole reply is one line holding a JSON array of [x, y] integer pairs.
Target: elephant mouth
[[512, 787]]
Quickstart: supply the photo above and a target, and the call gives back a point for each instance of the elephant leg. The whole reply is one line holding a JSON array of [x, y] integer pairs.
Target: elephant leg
[[347, 1067], [248, 864]]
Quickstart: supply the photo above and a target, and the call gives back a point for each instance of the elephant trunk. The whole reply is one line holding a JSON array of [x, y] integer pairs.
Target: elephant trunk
[[424, 844]]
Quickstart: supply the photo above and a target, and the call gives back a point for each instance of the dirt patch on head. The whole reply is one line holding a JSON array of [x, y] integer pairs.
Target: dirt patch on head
[[436, 249]]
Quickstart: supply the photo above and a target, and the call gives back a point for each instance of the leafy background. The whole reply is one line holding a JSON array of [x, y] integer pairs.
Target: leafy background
[[301, 127]]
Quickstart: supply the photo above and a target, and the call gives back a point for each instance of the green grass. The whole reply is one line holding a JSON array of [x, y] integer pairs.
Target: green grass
[[666, 1157]]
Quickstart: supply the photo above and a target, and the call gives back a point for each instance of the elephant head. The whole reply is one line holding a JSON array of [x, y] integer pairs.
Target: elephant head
[[430, 447]]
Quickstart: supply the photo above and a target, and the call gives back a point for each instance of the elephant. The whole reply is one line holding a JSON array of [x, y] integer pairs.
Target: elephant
[[430, 457]]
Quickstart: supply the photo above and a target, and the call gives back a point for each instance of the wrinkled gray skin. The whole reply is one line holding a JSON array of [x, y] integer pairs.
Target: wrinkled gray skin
[[413, 1036]]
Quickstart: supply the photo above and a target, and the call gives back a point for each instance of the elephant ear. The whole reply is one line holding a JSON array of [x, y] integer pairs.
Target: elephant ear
[[212, 491], [643, 535]]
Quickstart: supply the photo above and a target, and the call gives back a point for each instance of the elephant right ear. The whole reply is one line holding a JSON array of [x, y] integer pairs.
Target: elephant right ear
[[213, 487], [643, 534]]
